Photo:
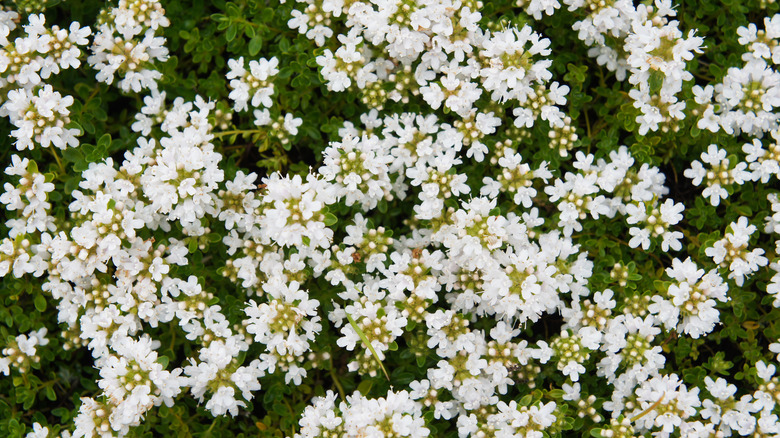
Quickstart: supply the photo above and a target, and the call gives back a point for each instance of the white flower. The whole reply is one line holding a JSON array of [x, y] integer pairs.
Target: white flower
[[291, 123]]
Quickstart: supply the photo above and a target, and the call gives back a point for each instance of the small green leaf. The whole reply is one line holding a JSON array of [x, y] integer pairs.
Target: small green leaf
[[330, 219], [231, 32], [285, 72], [104, 142], [556, 394], [249, 30], [255, 44], [40, 303], [365, 387], [656, 81]]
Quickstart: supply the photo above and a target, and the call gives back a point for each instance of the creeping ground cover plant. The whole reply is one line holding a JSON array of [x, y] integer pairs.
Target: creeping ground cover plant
[[389, 218]]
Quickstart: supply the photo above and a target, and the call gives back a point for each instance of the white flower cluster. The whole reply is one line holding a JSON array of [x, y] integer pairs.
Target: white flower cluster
[[132, 382], [641, 41], [436, 50], [22, 352], [41, 118], [746, 99], [635, 194], [689, 303], [126, 45], [732, 251], [359, 168], [397, 415], [722, 174], [764, 163], [29, 199], [377, 317], [286, 325], [40, 114], [658, 52], [256, 87], [27, 60]]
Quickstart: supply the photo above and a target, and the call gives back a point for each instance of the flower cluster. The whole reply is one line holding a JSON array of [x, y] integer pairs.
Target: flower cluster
[[21, 353], [449, 60], [127, 44], [42, 52], [39, 113], [722, 174], [397, 415], [732, 251]]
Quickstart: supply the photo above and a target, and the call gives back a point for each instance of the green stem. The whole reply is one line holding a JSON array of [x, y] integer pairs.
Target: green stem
[[59, 161], [239, 131], [336, 380], [213, 423], [91, 96]]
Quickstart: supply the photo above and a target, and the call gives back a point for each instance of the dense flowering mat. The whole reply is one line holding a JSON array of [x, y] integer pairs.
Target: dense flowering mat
[[389, 218]]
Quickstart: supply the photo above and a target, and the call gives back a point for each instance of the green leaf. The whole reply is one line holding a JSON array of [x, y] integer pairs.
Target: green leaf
[[249, 30], [104, 142], [330, 219], [32, 167], [40, 303], [280, 409], [365, 387], [656, 81], [255, 44], [285, 72], [231, 32], [284, 45], [50, 394], [556, 394]]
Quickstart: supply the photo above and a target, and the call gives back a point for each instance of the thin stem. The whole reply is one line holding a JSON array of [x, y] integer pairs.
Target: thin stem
[[239, 131], [59, 161], [292, 413], [213, 423], [336, 380], [91, 96]]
